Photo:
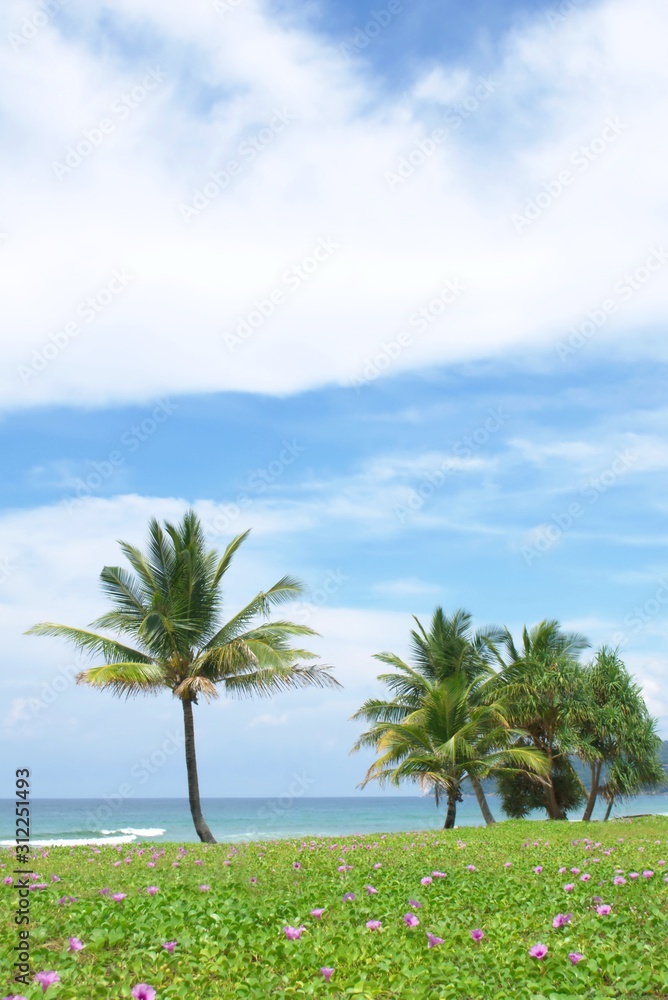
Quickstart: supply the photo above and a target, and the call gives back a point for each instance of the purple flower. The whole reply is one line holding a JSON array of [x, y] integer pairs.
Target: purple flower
[[296, 865], [585, 878], [562, 919], [619, 880], [604, 910], [8, 880], [569, 887], [433, 941], [508, 864], [575, 871], [327, 973], [152, 889], [170, 946], [46, 979], [253, 879], [143, 992], [378, 864], [411, 920], [318, 913], [55, 878], [75, 944], [470, 868], [538, 869], [427, 880], [439, 874], [633, 876], [575, 957], [647, 874], [371, 891], [293, 933], [118, 897], [14, 996], [415, 904], [477, 934], [349, 897], [204, 888], [538, 951], [374, 925]]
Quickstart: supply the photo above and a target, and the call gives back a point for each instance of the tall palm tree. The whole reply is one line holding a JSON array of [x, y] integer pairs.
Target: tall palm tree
[[170, 609], [445, 740], [540, 684], [449, 647]]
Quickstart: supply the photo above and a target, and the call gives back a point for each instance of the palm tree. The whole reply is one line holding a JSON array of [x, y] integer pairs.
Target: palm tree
[[170, 608], [637, 767], [445, 740], [450, 646], [540, 684]]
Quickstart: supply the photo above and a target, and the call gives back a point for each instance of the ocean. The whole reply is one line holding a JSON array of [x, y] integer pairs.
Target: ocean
[[109, 821]]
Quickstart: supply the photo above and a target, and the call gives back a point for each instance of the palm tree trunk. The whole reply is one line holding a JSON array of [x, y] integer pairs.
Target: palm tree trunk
[[482, 801], [451, 813], [593, 792], [608, 810], [203, 831]]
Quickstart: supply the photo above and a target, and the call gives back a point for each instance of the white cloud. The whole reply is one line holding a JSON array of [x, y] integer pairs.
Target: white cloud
[[322, 176], [268, 719]]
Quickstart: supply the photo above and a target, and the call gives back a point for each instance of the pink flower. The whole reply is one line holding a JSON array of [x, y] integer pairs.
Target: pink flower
[[371, 891], [477, 934], [118, 897], [8, 880], [293, 933], [318, 913], [562, 919], [470, 868], [538, 951], [349, 897], [538, 869], [143, 992], [604, 910], [170, 946], [508, 864], [14, 996], [414, 903], [569, 887], [344, 868], [619, 880], [378, 864], [411, 920], [204, 888], [427, 880], [327, 973], [439, 874], [575, 957], [75, 944], [647, 874], [198, 862], [46, 979], [55, 878], [374, 925], [433, 941], [152, 889], [561, 871], [575, 871], [633, 876], [585, 878], [150, 864], [253, 879], [296, 864]]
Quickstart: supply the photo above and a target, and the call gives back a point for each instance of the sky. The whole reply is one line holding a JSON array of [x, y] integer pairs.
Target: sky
[[385, 285]]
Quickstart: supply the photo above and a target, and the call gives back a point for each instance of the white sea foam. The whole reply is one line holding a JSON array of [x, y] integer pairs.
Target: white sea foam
[[78, 842], [150, 832]]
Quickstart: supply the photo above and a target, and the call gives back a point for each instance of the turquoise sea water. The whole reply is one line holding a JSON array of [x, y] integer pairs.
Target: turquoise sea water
[[130, 820]]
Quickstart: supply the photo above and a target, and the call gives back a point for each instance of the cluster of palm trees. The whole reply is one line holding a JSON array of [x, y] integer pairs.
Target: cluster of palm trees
[[471, 705]]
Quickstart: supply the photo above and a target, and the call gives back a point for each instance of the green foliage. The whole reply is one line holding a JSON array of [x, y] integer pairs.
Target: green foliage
[[230, 940], [520, 795]]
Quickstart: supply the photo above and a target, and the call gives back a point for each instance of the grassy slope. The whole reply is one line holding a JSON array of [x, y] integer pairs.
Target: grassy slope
[[231, 941]]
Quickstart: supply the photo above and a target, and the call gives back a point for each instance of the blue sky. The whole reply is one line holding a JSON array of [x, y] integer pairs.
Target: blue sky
[[447, 388]]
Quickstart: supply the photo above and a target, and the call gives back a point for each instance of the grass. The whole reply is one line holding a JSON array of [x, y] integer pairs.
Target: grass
[[231, 942]]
